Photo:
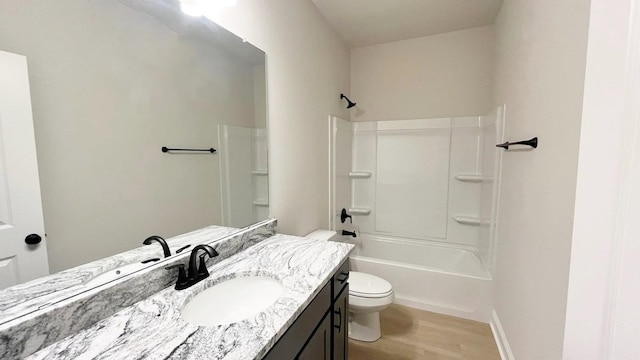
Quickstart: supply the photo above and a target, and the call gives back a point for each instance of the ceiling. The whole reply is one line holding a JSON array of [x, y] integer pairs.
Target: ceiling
[[368, 22]]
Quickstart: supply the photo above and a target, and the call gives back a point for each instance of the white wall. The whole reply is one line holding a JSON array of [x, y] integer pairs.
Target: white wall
[[109, 88], [308, 68], [260, 96], [443, 75], [602, 309], [540, 65]]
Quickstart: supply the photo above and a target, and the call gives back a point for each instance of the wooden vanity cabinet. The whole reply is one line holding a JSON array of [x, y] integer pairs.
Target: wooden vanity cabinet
[[321, 331], [341, 313], [318, 346]]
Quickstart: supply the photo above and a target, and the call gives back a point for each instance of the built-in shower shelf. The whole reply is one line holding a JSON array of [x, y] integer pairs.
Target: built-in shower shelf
[[475, 178], [470, 220], [263, 203], [260, 172], [359, 211], [360, 174]]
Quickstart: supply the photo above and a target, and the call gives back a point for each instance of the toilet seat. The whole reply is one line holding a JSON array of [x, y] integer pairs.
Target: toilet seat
[[370, 296], [360, 304], [368, 286]]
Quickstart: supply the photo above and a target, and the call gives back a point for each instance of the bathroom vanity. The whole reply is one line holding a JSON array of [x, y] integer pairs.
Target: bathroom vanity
[[321, 331], [308, 320]]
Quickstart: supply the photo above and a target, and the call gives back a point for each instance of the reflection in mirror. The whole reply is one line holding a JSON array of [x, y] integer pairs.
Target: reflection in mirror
[[112, 82]]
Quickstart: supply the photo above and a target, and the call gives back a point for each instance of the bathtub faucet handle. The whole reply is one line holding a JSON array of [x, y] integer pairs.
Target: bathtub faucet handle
[[348, 233], [344, 215]]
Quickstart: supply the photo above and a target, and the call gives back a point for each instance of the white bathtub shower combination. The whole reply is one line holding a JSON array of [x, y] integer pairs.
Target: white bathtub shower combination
[[422, 195], [447, 281], [244, 179]]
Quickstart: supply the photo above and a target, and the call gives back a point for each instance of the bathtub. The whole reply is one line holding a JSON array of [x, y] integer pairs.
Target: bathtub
[[430, 277]]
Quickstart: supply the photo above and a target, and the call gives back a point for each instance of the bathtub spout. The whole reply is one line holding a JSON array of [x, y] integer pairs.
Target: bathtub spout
[[349, 233]]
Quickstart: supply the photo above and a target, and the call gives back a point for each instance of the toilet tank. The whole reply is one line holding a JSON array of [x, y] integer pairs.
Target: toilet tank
[[322, 235]]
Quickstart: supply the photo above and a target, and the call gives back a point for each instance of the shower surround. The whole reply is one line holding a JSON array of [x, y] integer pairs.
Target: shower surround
[[423, 195]]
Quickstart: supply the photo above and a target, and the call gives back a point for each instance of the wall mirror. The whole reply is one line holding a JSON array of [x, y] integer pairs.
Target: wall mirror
[[111, 83]]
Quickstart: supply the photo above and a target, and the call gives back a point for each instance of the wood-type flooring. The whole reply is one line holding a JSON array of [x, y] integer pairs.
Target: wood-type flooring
[[412, 334]]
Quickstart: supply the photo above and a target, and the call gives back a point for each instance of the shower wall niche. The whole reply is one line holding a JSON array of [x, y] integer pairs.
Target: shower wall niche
[[425, 181]]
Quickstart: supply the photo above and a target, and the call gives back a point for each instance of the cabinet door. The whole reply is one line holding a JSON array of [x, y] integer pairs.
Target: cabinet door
[[341, 325], [318, 347], [305, 326]]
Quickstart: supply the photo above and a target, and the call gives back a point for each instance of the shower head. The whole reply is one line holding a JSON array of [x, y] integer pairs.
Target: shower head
[[350, 103]]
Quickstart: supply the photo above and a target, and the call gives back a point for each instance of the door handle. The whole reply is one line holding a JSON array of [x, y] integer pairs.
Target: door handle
[[343, 277], [33, 239], [339, 326]]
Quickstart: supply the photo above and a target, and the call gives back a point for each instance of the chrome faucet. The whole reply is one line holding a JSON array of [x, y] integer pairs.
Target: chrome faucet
[[194, 273], [163, 243]]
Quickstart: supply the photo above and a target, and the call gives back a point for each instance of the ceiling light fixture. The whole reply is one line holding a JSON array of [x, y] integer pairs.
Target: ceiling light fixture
[[191, 7]]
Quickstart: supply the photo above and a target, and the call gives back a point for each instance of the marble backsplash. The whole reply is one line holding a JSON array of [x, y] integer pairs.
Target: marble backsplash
[[29, 333], [33, 295]]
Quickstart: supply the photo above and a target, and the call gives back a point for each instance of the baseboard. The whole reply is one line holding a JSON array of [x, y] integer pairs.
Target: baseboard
[[476, 316], [500, 337]]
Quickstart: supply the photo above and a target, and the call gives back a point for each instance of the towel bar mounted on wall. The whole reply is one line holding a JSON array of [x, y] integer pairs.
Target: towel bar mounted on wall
[[533, 143], [166, 150]]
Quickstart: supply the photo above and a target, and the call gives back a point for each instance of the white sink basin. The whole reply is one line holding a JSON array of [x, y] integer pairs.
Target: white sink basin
[[232, 300]]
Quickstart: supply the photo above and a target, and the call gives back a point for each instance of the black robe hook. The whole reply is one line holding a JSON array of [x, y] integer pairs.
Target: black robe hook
[[532, 142]]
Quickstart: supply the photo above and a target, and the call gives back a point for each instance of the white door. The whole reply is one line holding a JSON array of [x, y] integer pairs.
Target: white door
[[20, 203]]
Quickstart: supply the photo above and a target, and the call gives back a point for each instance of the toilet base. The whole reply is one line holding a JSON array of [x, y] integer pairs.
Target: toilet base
[[364, 326]]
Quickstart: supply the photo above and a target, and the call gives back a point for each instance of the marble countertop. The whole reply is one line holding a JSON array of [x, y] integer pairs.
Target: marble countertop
[[33, 295], [154, 329]]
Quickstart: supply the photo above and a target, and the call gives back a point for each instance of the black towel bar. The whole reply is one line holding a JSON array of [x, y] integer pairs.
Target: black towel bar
[[166, 149]]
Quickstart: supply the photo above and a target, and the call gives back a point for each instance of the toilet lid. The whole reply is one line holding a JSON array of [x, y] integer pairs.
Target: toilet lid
[[366, 285]]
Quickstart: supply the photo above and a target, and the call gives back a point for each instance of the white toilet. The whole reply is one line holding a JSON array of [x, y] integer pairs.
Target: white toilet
[[368, 295]]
